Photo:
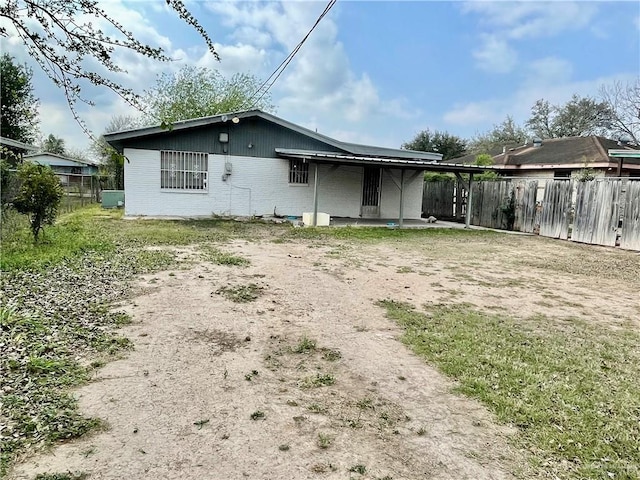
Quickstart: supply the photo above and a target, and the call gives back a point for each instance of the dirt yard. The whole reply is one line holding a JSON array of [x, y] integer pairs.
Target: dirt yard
[[309, 379]]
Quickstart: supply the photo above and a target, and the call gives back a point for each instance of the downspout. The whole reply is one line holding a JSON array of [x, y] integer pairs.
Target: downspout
[[315, 196], [467, 221]]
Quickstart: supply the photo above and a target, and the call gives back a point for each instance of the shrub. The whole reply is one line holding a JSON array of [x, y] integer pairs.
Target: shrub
[[39, 195]]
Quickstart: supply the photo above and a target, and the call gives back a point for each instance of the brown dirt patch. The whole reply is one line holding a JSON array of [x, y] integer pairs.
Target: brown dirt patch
[[216, 389]]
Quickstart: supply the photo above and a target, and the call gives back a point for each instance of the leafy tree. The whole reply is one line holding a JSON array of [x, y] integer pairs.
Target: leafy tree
[[19, 113], [483, 160], [503, 134], [112, 162], [450, 146], [66, 39], [540, 122], [199, 92], [53, 144], [39, 195], [623, 101], [579, 117]]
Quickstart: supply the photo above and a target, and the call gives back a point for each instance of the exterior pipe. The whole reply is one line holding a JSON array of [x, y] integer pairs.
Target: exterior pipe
[[467, 221], [401, 219], [315, 196]]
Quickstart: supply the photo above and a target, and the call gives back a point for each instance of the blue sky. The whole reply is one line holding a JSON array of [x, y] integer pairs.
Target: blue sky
[[379, 72]]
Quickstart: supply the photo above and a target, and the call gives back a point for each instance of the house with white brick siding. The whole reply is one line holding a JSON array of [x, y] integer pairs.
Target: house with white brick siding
[[254, 163]]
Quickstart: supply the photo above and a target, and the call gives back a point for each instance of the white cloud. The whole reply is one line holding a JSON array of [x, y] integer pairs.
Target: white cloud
[[320, 77], [495, 55], [548, 71], [507, 23], [519, 20]]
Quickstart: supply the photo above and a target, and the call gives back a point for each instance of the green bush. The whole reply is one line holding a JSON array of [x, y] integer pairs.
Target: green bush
[[39, 196]]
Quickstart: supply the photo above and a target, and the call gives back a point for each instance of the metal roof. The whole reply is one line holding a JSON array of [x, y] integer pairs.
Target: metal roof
[[236, 117], [623, 153], [388, 161], [16, 144], [33, 156]]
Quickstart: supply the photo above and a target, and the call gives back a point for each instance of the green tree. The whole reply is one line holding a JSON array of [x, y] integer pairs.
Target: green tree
[[112, 162], [53, 144], [579, 117], [19, 111], [623, 101], [39, 195], [200, 92], [450, 146], [501, 135], [65, 39], [484, 160]]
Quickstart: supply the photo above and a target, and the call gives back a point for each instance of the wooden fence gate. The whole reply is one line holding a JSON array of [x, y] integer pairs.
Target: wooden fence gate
[[556, 209], [596, 214], [438, 199], [630, 236], [526, 208]]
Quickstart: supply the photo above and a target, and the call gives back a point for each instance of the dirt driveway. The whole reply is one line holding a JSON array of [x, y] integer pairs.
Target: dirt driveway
[[310, 380]]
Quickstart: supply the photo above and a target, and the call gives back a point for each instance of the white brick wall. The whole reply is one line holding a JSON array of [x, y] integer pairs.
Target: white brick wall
[[256, 186]]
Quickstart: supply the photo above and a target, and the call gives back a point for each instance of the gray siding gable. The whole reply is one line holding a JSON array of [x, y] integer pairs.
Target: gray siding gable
[[251, 137]]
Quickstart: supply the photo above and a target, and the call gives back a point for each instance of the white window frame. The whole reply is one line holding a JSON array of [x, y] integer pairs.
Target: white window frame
[[298, 171], [184, 171]]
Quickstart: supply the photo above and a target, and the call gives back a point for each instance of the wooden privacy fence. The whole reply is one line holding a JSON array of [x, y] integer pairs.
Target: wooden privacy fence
[[630, 237], [605, 211], [596, 214], [507, 204], [556, 209], [438, 199]]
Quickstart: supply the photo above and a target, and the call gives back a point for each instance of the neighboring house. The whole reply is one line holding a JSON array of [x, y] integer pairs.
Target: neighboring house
[[254, 163], [70, 170], [563, 158]]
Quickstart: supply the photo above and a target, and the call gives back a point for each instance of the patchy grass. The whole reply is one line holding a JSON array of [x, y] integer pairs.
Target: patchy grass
[[571, 388], [384, 234], [72, 236], [324, 440], [62, 476], [258, 415], [305, 345], [219, 257], [241, 293], [318, 380]]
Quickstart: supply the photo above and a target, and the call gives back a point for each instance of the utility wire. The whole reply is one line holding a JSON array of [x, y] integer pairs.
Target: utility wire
[[285, 63]]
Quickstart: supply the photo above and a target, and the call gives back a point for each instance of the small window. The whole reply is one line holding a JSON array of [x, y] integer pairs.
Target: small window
[[183, 170], [298, 171]]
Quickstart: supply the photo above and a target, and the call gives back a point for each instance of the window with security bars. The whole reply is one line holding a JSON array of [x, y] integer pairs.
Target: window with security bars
[[183, 170], [298, 171]]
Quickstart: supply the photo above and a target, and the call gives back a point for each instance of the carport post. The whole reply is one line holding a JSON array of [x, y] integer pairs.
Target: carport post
[[401, 213], [467, 220], [315, 196]]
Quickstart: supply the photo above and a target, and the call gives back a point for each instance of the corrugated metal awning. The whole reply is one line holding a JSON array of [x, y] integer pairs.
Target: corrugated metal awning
[[391, 162]]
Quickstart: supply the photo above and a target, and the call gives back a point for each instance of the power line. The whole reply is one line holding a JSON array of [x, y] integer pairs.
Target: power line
[[285, 63]]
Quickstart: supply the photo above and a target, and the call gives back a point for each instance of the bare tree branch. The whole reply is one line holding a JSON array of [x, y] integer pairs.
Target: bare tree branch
[[61, 38]]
